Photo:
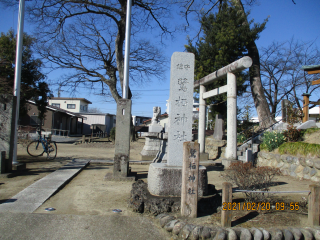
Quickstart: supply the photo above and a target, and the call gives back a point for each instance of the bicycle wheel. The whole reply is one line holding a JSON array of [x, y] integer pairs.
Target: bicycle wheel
[[35, 149], [52, 150]]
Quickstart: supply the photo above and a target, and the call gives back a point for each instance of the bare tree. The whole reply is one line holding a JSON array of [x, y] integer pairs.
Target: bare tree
[[282, 76], [87, 37]]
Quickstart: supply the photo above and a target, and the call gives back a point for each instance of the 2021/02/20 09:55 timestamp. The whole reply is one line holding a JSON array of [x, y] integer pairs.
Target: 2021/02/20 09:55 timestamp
[[263, 206]]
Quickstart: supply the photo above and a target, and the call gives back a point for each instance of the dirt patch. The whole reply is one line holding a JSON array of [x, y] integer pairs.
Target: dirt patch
[[312, 138], [89, 194]]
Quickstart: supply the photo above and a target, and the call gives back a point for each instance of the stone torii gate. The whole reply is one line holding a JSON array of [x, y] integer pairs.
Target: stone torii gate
[[231, 90]]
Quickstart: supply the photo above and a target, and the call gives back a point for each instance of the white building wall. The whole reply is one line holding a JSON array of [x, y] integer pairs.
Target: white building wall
[[97, 119], [64, 105]]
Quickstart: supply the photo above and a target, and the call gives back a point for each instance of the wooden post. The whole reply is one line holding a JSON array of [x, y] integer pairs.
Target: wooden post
[[190, 179], [83, 138], [226, 214], [305, 107], [313, 205]]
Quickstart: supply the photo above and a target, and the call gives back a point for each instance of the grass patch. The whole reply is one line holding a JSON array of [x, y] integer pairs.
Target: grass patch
[[295, 148], [311, 130]]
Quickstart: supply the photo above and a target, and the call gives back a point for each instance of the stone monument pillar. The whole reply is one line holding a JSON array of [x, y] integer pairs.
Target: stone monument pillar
[[7, 116], [218, 128], [164, 179], [122, 143]]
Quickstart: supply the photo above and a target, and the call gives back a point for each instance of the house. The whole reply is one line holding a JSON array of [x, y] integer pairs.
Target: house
[[56, 121], [314, 113], [76, 105], [98, 122], [138, 120]]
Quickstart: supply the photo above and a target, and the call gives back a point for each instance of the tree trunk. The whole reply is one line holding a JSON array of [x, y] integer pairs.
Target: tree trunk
[[260, 101]]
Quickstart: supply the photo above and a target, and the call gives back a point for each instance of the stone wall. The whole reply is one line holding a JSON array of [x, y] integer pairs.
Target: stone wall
[[298, 167], [181, 229]]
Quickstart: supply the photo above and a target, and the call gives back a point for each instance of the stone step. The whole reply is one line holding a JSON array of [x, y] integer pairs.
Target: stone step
[[239, 153], [242, 158]]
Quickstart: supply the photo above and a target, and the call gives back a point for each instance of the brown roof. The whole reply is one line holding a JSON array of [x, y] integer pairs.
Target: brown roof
[[161, 116], [62, 98]]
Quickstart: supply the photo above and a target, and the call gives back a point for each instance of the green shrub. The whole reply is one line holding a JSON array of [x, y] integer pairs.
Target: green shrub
[[241, 138], [302, 148], [272, 140], [292, 134], [113, 134]]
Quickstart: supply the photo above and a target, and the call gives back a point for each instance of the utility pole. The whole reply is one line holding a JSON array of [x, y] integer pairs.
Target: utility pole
[[17, 77], [127, 51]]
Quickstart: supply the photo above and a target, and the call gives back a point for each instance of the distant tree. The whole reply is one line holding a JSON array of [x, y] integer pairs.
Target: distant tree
[[33, 86], [282, 76], [224, 40]]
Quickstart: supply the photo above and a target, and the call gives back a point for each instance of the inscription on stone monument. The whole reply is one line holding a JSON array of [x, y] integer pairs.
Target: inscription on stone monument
[[190, 178], [181, 99]]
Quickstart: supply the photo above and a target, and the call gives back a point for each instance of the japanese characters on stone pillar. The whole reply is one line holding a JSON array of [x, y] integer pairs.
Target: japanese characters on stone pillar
[[190, 178], [181, 99]]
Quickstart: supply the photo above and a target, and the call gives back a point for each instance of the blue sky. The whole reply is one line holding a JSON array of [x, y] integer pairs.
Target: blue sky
[[287, 20]]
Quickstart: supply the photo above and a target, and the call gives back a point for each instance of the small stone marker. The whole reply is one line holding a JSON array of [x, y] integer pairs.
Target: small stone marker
[[218, 127], [190, 178], [181, 105]]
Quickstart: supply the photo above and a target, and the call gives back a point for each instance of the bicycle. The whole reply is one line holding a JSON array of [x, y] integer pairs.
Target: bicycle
[[42, 145]]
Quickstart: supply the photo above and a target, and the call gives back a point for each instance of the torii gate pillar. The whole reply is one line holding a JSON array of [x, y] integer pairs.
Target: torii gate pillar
[[231, 151], [305, 107]]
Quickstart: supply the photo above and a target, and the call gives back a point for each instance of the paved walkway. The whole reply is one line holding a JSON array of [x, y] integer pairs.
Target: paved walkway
[[32, 197]]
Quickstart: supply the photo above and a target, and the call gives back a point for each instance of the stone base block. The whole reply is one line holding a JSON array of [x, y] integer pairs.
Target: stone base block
[[204, 156], [19, 166], [164, 180], [155, 128], [227, 162]]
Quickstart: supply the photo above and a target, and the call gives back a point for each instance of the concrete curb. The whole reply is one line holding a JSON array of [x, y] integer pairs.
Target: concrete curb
[[32, 197]]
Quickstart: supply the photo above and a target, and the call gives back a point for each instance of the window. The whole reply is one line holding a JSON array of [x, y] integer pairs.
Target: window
[[34, 120], [56, 105], [71, 106]]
